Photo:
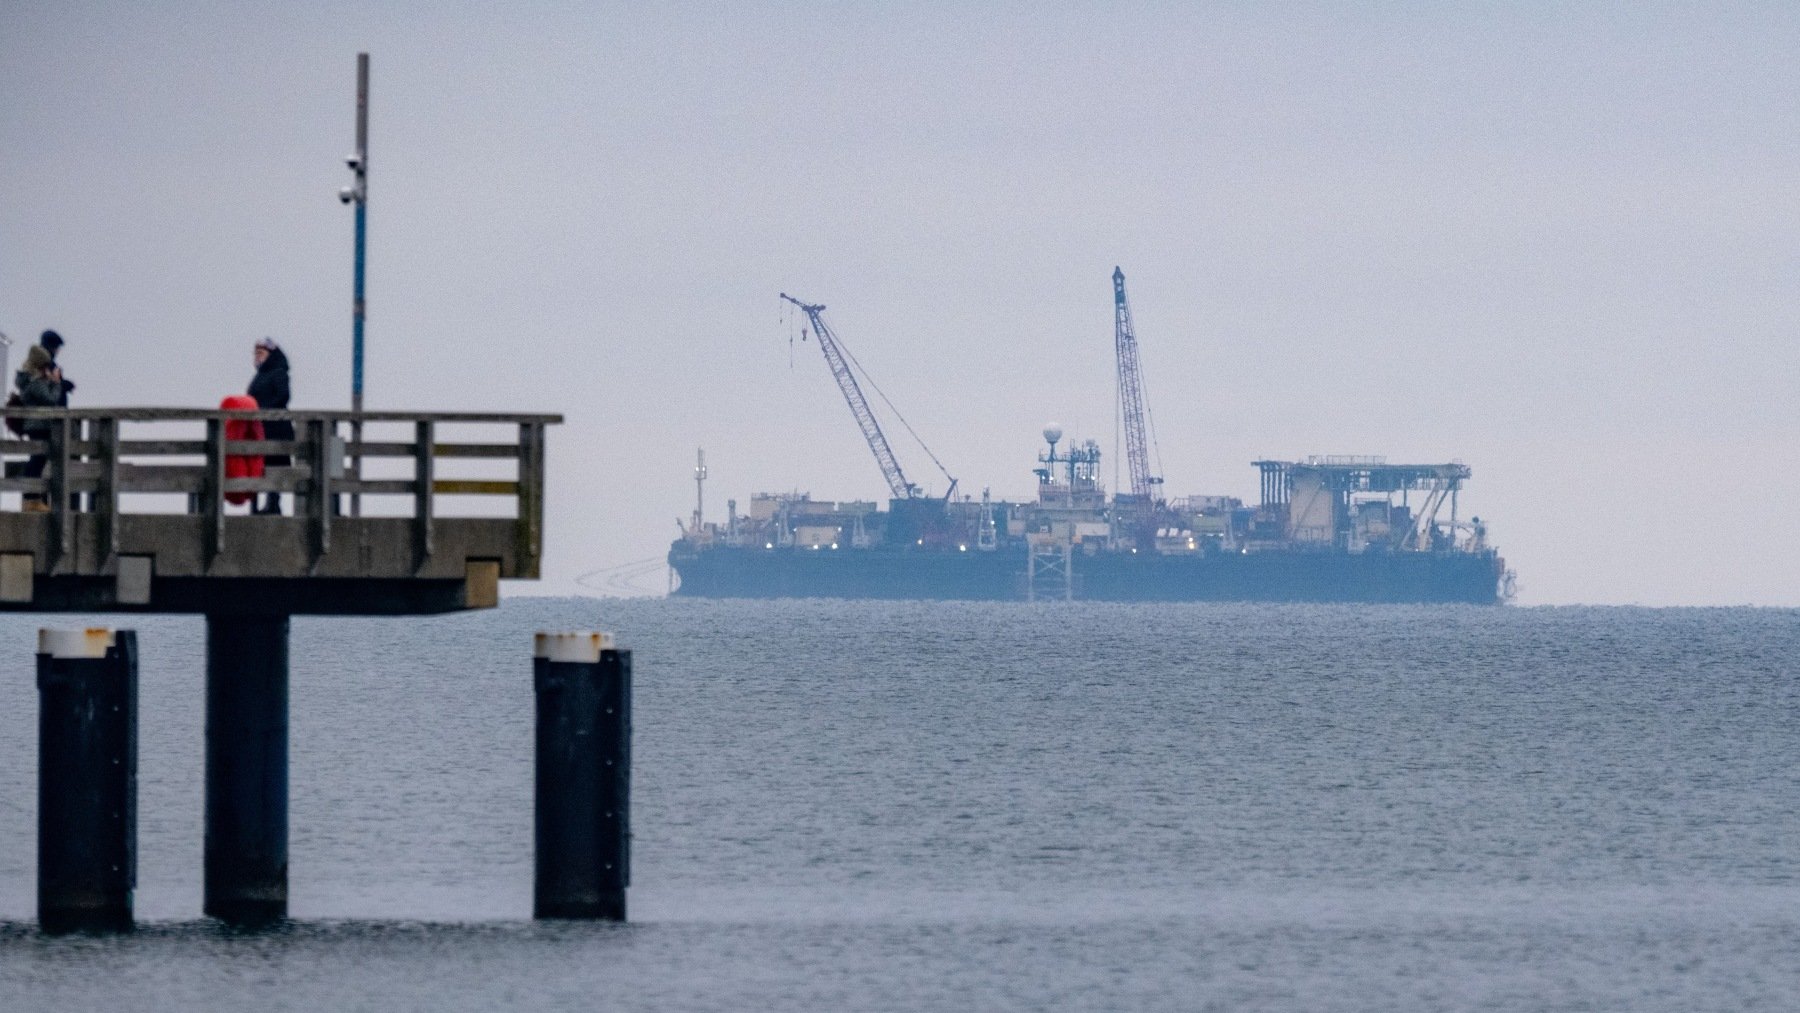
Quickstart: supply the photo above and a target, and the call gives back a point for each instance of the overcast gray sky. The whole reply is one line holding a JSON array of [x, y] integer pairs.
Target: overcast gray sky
[[1556, 242]]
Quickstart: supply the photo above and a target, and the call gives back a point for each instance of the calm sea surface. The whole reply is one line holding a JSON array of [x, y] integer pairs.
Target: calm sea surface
[[951, 806]]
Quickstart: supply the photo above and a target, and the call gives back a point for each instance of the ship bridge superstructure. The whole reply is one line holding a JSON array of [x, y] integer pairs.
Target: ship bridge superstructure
[[1359, 503], [1070, 481]]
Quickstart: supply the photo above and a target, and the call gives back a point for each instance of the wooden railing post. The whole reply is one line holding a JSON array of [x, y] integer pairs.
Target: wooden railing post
[[106, 496], [531, 495], [356, 462], [424, 475], [59, 489], [80, 432], [212, 504], [318, 499]]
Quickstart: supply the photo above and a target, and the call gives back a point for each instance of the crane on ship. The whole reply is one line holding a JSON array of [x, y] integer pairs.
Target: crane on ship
[[840, 360], [1144, 486]]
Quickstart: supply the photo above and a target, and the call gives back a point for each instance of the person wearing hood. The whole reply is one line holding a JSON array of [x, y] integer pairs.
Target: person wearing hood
[[42, 355], [270, 389], [41, 385]]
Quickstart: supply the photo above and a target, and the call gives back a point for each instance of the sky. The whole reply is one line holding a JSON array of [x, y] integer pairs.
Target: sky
[[1555, 242]]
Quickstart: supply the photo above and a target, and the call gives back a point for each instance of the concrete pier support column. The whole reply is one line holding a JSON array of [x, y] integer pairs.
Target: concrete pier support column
[[87, 779], [246, 768], [583, 832]]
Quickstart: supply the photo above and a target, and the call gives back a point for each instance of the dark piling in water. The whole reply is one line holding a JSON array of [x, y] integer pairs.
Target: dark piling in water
[[87, 779], [246, 768], [583, 790]]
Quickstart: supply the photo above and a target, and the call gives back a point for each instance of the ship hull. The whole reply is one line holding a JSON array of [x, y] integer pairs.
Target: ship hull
[[1276, 576]]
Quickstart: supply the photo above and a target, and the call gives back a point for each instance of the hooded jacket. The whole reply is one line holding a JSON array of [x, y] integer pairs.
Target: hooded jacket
[[270, 389], [270, 384], [35, 360], [39, 391]]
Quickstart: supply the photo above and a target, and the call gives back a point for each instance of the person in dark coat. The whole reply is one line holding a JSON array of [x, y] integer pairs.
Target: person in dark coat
[[44, 388], [42, 354], [270, 389]]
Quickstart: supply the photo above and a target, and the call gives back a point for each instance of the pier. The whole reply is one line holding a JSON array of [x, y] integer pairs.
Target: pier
[[386, 514], [141, 517]]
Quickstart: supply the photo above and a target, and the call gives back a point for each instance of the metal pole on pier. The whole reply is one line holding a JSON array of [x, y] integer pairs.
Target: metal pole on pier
[[359, 195], [583, 780], [246, 768], [87, 779]]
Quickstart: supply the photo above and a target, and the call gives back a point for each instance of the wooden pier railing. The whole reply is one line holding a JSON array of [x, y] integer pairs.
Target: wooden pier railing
[[142, 495]]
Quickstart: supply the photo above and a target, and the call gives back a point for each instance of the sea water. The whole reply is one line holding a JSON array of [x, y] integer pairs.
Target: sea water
[[852, 805]]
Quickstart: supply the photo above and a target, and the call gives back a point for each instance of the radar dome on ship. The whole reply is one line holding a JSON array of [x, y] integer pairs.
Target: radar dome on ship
[[1053, 433]]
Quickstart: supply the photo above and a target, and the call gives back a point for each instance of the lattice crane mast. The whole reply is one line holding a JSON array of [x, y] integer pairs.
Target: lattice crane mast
[[859, 405], [1144, 486]]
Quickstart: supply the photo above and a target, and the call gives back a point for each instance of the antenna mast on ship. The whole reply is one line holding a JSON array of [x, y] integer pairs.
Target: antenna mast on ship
[[699, 487]]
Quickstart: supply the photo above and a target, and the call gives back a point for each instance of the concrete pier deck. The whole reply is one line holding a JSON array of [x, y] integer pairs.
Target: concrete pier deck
[[386, 513]]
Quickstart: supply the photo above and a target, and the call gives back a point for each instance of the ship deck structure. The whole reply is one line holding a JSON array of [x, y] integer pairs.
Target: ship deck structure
[[1338, 528], [1332, 528]]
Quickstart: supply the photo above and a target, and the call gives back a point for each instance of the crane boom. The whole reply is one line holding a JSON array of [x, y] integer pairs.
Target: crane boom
[[859, 405], [1131, 403]]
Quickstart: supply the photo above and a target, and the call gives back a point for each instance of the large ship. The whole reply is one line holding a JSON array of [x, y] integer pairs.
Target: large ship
[[1326, 528]]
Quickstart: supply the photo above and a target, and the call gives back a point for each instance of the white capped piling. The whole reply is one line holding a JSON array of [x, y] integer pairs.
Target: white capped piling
[[87, 779], [583, 778]]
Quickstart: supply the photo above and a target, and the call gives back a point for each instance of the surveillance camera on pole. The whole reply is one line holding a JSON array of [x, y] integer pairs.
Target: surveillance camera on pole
[[359, 192]]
